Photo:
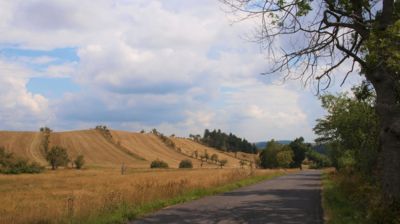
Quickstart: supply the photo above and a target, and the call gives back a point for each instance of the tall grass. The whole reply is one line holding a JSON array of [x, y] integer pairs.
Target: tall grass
[[349, 198], [76, 196]]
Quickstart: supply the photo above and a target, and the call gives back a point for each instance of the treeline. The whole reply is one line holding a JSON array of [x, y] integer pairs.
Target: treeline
[[225, 142], [276, 155]]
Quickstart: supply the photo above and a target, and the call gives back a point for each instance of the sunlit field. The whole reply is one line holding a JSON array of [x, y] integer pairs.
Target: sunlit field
[[59, 196]]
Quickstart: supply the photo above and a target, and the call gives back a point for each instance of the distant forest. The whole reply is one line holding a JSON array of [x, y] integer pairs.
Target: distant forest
[[225, 142]]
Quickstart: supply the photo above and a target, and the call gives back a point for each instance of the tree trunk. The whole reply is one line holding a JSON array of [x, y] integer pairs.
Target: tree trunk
[[388, 110]]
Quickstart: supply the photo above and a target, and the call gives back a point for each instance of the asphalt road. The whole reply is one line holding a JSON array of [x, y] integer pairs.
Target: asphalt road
[[290, 199]]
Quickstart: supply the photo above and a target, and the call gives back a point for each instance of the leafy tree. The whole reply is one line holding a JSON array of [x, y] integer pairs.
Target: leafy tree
[[222, 163], [79, 161], [186, 163], [319, 160], [350, 130], [299, 151], [284, 157], [268, 155], [214, 158], [242, 163], [364, 33], [57, 156], [206, 155]]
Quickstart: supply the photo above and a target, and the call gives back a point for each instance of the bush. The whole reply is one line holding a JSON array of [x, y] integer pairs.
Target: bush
[[158, 164], [222, 163], [57, 156], [79, 162], [11, 165], [186, 163]]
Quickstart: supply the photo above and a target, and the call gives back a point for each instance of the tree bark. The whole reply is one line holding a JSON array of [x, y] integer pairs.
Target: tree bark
[[388, 110]]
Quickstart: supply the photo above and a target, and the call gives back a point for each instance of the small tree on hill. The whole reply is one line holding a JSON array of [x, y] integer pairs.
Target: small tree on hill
[[242, 163], [57, 156], [186, 163], [206, 155], [79, 162], [222, 162], [214, 158]]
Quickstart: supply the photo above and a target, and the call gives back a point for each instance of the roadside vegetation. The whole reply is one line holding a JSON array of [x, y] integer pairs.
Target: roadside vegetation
[[293, 155], [68, 196], [352, 193]]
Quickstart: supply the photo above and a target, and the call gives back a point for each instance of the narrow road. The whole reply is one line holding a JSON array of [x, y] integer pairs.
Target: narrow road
[[291, 199]]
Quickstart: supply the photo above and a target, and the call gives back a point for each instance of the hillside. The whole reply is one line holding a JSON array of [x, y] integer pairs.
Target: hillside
[[23, 144], [98, 151], [188, 147], [150, 147], [135, 150]]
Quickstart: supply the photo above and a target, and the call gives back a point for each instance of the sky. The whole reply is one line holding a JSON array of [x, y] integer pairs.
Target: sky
[[178, 66]]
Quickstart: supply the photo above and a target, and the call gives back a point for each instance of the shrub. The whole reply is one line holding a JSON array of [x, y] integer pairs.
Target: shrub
[[223, 162], [11, 165], [79, 162], [158, 164], [214, 157], [57, 156], [186, 163]]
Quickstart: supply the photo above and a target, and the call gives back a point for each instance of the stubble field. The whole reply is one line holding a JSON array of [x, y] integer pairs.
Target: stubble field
[[66, 196]]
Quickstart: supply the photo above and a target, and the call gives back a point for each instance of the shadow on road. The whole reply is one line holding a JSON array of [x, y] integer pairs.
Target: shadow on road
[[293, 199]]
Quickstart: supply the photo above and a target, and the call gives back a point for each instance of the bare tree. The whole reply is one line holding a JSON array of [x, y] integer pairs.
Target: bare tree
[[329, 34]]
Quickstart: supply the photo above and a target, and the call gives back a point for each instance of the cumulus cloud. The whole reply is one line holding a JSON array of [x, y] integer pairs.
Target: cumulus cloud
[[179, 66], [19, 109]]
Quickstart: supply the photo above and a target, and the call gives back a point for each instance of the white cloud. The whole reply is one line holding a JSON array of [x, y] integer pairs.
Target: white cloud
[[178, 66], [18, 107]]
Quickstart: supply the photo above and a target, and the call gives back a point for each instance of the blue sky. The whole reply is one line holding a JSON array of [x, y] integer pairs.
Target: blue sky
[[136, 65]]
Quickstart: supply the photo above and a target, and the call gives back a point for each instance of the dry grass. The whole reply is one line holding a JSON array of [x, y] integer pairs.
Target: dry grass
[[150, 147], [54, 196], [23, 144], [189, 147], [100, 152]]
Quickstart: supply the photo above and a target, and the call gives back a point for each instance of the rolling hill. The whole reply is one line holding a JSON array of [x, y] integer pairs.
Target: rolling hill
[[135, 150]]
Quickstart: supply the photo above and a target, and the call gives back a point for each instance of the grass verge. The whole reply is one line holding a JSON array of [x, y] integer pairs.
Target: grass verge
[[338, 208], [126, 212]]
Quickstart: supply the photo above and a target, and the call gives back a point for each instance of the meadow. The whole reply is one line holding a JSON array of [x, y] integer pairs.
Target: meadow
[[78, 196]]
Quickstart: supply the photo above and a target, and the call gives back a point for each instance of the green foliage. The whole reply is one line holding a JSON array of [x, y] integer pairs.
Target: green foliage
[[79, 162], [350, 198], [299, 151], [318, 160], [57, 156], [158, 164], [11, 165], [186, 163], [350, 130], [226, 142], [284, 157], [268, 157]]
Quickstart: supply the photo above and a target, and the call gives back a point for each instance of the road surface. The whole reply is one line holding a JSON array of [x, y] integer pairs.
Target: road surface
[[290, 199]]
